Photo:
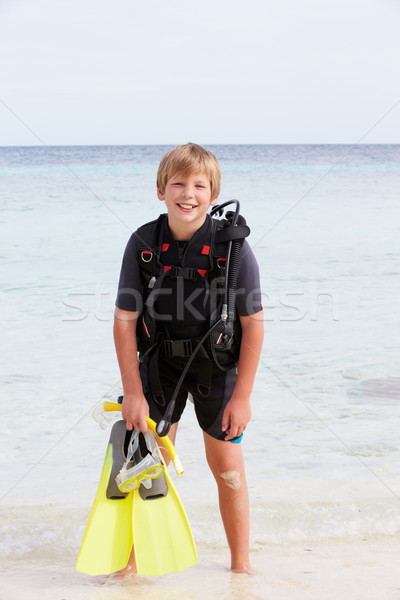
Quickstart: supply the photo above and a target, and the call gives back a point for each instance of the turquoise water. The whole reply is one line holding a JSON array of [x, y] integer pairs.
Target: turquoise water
[[322, 451]]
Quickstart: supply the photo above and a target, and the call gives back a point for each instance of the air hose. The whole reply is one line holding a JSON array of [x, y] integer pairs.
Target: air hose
[[164, 425]]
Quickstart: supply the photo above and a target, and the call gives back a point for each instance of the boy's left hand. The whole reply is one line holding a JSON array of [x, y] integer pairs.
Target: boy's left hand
[[237, 414]]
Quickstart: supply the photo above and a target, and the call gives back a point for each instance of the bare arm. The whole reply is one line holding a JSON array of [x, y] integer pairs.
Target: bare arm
[[134, 407], [238, 410]]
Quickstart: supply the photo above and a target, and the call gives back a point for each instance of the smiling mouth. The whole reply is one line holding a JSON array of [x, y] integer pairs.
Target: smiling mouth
[[187, 206]]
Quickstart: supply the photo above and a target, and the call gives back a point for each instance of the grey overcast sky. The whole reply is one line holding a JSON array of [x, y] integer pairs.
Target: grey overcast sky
[[210, 71]]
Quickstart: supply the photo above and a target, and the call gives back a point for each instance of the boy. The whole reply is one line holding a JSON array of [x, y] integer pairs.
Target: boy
[[188, 181]]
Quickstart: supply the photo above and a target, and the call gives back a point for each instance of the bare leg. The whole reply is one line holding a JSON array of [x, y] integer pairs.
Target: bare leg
[[226, 463], [131, 565]]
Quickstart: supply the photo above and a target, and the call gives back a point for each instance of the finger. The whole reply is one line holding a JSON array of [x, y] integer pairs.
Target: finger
[[129, 426], [143, 425], [231, 433], [225, 421], [234, 432]]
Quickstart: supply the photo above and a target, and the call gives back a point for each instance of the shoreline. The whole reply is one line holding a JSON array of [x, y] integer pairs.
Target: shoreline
[[363, 569]]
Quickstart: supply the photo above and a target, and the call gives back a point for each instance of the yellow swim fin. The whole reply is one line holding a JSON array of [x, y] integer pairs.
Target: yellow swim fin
[[162, 538], [107, 541], [153, 520]]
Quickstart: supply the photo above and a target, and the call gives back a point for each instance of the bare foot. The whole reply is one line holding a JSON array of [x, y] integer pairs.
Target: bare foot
[[242, 568], [130, 567]]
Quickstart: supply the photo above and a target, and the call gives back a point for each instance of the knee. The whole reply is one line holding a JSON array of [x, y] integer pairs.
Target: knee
[[227, 475], [232, 479], [226, 463]]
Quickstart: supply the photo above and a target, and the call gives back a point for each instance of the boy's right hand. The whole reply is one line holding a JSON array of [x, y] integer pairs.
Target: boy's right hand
[[135, 410]]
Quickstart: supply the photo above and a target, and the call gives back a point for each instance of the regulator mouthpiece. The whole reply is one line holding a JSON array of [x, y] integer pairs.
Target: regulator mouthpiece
[[163, 428]]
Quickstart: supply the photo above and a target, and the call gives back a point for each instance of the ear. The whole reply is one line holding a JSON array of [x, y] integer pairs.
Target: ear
[[214, 201], [160, 194]]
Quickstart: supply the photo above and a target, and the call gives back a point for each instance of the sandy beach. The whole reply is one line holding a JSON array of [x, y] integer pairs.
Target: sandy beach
[[364, 569]]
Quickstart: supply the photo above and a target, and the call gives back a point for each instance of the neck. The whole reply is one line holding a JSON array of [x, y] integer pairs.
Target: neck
[[182, 231]]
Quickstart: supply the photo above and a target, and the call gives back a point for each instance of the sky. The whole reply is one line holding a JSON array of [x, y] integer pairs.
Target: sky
[[213, 72]]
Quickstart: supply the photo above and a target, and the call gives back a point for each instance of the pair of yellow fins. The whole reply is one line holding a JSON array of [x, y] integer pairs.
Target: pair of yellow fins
[[152, 520]]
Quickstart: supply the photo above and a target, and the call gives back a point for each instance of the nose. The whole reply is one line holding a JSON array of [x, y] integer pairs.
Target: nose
[[188, 191]]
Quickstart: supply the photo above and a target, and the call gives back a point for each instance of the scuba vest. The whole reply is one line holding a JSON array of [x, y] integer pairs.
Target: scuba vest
[[198, 280]]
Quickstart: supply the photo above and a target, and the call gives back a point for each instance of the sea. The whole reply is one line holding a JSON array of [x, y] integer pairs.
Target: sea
[[322, 449]]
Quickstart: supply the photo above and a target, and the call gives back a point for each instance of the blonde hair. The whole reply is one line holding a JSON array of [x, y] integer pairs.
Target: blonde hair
[[186, 160]]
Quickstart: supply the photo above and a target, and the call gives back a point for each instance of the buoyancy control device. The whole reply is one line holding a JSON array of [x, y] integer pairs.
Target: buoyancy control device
[[220, 342]]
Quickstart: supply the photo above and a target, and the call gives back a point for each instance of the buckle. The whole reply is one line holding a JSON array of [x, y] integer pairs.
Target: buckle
[[174, 272], [191, 273], [177, 348], [184, 272]]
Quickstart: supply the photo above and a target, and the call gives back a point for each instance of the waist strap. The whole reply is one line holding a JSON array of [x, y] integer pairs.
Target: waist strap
[[176, 348]]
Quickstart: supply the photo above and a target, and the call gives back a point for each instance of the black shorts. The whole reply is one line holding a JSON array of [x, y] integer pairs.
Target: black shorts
[[209, 409]]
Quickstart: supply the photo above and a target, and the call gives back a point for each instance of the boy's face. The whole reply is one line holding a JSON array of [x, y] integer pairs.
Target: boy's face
[[187, 199]]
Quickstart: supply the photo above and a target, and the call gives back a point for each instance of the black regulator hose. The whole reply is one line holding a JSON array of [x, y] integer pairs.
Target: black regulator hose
[[232, 278], [164, 425], [219, 210]]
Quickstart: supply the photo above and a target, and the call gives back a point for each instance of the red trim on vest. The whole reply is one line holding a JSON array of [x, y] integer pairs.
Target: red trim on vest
[[222, 258], [202, 272], [145, 328], [147, 252], [166, 268], [205, 250], [164, 247]]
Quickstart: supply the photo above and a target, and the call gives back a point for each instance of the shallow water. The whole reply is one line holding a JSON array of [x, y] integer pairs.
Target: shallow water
[[322, 450]]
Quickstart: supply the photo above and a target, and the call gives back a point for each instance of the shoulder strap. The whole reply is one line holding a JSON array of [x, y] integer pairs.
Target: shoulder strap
[[149, 245], [148, 234], [226, 232]]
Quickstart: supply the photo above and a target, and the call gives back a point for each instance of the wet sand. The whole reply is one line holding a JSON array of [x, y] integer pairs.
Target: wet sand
[[332, 570]]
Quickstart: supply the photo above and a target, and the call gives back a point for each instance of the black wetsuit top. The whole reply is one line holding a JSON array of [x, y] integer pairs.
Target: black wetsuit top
[[169, 306]]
